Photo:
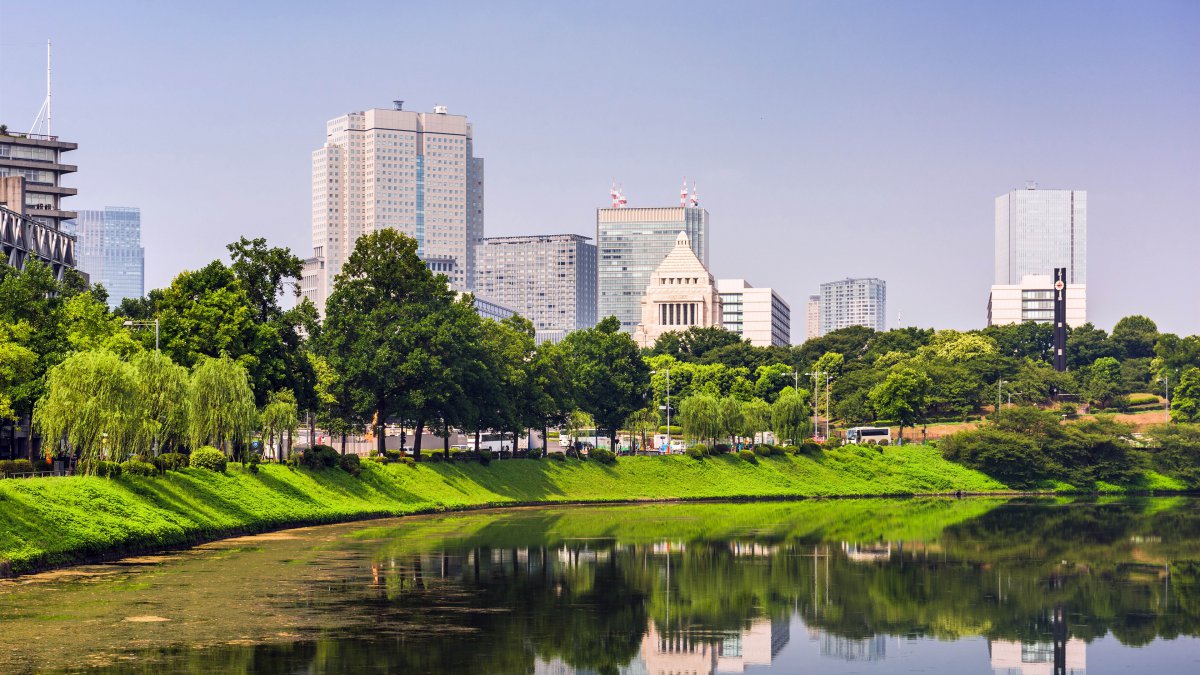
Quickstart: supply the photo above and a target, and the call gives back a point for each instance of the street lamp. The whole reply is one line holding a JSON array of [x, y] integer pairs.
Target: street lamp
[[144, 324], [668, 406], [816, 402], [1166, 380]]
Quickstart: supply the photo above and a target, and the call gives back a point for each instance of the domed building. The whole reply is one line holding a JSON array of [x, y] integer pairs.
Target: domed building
[[681, 294]]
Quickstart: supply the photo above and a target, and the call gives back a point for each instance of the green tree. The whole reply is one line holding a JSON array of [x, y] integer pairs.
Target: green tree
[[756, 418], [1012, 458], [17, 364], [770, 380], [700, 417], [1086, 344], [380, 322], [280, 416], [789, 415], [730, 417], [610, 378], [694, 342], [1102, 381], [1135, 337], [93, 402], [222, 405], [164, 390], [902, 396], [1185, 400], [643, 423]]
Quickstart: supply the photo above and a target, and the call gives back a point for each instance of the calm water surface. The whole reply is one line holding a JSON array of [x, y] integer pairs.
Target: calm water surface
[[864, 586]]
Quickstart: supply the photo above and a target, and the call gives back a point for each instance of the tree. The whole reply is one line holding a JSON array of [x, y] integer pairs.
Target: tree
[[789, 414], [902, 396], [608, 373], [1135, 337], [17, 363], [263, 272], [699, 415], [1087, 343], [93, 402], [694, 342], [163, 389], [222, 404], [1102, 381], [380, 322], [1028, 339], [1009, 457], [770, 380], [1185, 400], [730, 417], [643, 424], [756, 418], [280, 416]]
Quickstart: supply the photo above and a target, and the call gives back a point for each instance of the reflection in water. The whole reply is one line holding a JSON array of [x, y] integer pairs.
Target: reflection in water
[[700, 589]]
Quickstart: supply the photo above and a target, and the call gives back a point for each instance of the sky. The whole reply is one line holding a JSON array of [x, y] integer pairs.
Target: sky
[[828, 140]]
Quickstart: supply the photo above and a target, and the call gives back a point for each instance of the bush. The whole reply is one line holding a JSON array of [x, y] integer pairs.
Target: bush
[[1144, 399], [171, 461], [1069, 409], [748, 455], [136, 467], [11, 466], [40, 464], [485, 457], [761, 450], [1009, 457], [534, 453], [558, 456], [393, 454], [350, 464], [603, 456], [810, 447], [696, 452], [785, 450], [100, 468], [317, 457], [722, 449], [209, 458], [408, 461], [702, 448], [675, 430]]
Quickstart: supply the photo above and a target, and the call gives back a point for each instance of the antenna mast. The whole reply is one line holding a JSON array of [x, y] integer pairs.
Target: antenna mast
[[46, 107]]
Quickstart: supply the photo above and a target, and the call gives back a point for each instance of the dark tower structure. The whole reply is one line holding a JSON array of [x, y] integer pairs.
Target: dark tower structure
[[1060, 319]]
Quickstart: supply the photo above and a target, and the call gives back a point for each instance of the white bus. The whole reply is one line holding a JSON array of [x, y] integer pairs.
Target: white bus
[[876, 435]]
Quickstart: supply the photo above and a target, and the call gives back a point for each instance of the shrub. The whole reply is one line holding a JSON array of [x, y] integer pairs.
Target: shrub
[[558, 456], [171, 461], [785, 450], [748, 455], [722, 449], [136, 467], [534, 453], [393, 454], [675, 430], [1144, 399], [350, 464], [761, 450], [603, 456], [1009, 457], [11, 466], [431, 457], [702, 448], [209, 458], [101, 468], [1069, 409], [317, 457], [485, 457], [407, 461], [810, 447], [696, 452], [40, 464]]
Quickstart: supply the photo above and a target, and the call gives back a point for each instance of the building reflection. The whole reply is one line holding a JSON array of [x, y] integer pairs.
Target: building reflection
[[1037, 658], [704, 653]]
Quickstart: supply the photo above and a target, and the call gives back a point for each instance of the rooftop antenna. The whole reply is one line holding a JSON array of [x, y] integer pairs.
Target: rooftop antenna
[[695, 195], [621, 200], [616, 196], [43, 116], [683, 193], [397, 105], [1031, 185]]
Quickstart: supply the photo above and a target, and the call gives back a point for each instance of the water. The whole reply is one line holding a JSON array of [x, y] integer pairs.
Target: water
[[857, 586]]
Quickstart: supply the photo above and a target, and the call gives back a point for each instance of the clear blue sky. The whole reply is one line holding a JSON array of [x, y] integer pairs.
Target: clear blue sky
[[829, 139]]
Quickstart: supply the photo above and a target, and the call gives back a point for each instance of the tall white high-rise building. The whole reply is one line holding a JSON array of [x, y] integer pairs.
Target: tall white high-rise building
[[853, 302], [412, 171], [1036, 231], [759, 315]]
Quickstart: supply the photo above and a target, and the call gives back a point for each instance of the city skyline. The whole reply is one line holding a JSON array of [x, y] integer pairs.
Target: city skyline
[[827, 103]]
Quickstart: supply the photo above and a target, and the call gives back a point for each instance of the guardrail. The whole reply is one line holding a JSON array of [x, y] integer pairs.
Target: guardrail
[[39, 474]]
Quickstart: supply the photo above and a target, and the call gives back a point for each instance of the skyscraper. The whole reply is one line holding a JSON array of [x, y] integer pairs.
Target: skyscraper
[[759, 315], [812, 317], [853, 302], [109, 249], [631, 242], [549, 279], [415, 172], [1037, 231]]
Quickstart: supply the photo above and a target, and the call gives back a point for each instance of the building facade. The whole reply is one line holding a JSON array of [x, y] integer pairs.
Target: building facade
[[630, 243], [414, 172], [23, 239], [1036, 231], [759, 315], [853, 302], [38, 160], [548, 279], [109, 250], [812, 317], [681, 293]]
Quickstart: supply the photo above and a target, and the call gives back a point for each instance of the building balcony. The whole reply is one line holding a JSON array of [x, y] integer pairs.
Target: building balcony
[[50, 189], [40, 164], [37, 140]]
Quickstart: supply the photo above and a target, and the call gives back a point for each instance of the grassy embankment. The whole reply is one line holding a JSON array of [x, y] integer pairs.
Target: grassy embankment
[[55, 521]]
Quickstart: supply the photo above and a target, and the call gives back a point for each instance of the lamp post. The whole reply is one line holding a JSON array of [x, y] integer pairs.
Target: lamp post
[[668, 406], [828, 402], [816, 402], [1166, 380], [130, 324], [999, 386]]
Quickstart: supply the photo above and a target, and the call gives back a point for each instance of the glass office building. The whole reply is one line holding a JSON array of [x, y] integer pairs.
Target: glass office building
[[1039, 230], [631, 243], [109, 250], [549, 279], [853, 302]]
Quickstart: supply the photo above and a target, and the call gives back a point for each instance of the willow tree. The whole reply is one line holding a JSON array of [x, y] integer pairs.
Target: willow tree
[[756, 418], [730, 418], [222, 404], [163, 387], [94, 403], [699, 415], [789, 415], [280, 416]]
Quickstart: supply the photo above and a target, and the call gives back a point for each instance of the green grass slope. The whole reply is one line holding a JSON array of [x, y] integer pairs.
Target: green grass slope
[[55, 521]]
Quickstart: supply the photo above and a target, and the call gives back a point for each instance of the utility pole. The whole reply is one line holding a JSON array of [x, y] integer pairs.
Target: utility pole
[[828, 403]]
